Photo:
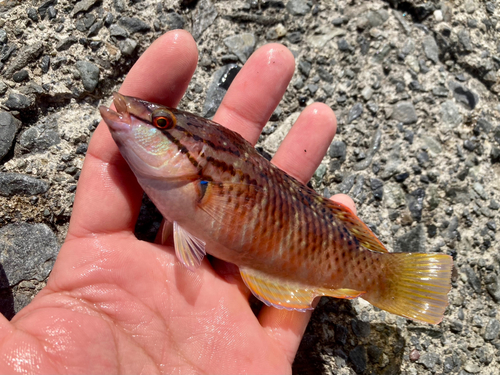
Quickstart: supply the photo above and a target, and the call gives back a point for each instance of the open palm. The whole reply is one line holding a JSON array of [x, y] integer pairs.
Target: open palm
[[117, 304]]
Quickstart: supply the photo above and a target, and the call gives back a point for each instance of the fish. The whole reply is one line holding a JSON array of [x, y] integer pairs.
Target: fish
[[291, 244]]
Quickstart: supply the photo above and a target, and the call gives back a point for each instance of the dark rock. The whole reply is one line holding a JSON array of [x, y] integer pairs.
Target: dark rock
[[347, 183], [404, 112], [20, 76], [242, 45], [376, 184], [7, 50], [429, 360], [431, 230], [493, 286], [294, 37], [38, 138], [173, 21], [82, 6], [45, 64], [361, 329], [89, 74], [298, 7], [312, 88], [42, 9], [203, 17], [374, 353], [464, 95], [431, 48], [94, 29], [374, 147], [134, 25], [117, 30], [51, 12], [401, 177], [21, 184], [473, 279], [358, 358], [341, 334], [26, 55], [492, 330], [344, 46], [412, 241], [305, 67], [28, 252], [355, 112], [415, 202], [32, 14], [18, 102], [8, 129], [495, 154], [337, 150], [377, 18], [464, 40], [221, 80], [108, 20], [64, 44], [440, 91]]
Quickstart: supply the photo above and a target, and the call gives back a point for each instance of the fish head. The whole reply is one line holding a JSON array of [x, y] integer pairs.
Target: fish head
[[150, 140]]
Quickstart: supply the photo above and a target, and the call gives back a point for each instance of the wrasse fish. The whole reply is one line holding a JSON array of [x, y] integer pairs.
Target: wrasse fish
[[290, 244]]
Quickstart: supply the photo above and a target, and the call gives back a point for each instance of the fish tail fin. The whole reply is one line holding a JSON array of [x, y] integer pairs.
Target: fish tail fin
[[416, 286]]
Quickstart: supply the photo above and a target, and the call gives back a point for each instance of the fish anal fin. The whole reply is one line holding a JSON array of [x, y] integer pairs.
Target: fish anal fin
[[288, 295], [357, 228], [189, 249]]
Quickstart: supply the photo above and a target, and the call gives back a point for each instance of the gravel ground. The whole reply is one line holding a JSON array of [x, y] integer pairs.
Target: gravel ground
[[415, 86]]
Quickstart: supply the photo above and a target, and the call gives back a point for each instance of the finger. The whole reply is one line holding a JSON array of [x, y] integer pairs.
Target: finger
[[256, 91], [108, 197], [299, 155], [345, 200], [304, 147]]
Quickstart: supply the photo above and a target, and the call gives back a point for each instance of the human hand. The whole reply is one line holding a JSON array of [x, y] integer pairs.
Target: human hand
[[117, 304]]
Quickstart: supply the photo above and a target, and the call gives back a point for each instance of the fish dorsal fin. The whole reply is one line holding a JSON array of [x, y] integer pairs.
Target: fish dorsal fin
[[289, 295], [357, 228], [189, 249]]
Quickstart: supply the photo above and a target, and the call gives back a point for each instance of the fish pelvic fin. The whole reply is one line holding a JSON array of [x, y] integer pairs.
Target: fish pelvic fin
[[289, 295], [416, 286], [357, 228], [189, 249]]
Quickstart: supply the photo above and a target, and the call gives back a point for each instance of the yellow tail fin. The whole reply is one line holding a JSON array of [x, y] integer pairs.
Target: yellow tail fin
[[416, 286]]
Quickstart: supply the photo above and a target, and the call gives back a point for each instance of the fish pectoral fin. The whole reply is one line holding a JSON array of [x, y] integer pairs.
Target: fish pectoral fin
[[289, 295], [225, 202], [189, 249]]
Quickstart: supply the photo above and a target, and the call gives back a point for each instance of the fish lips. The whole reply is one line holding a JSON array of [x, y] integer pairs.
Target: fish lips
[[127, 108]]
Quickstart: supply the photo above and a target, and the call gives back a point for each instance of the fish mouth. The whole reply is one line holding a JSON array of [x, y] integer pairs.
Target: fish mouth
[[127, 110]]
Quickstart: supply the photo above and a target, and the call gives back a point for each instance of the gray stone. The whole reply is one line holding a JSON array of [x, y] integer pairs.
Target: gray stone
[[8, 129], [64, 44], [374, 147], [305, 67], [404, 112], [412, 241], [203, 16], [38, 138], [338, 150], [20, 76], [127, 46], [3, 36], [429, 360], [393, 163], [463, 95], [27, 252], [492, 330], [355, 112], [26, 55], [324, 74], [394, 195], [134, 25], [450, 114], [416, 203], [298, 7], [492, 282], [21, 184], [347, 183], [473, 279], [172, 21], [496, 134], [431, 48], [117, 30], [18, 102], [464, 39], [82, 6], [377, 18], [221, 81], [89, 74], [242, 45]]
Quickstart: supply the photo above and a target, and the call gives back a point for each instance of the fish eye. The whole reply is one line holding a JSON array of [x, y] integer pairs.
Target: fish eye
[[164, 119]]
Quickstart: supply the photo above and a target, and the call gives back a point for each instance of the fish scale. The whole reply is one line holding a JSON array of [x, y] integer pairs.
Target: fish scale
[[291, 244]]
